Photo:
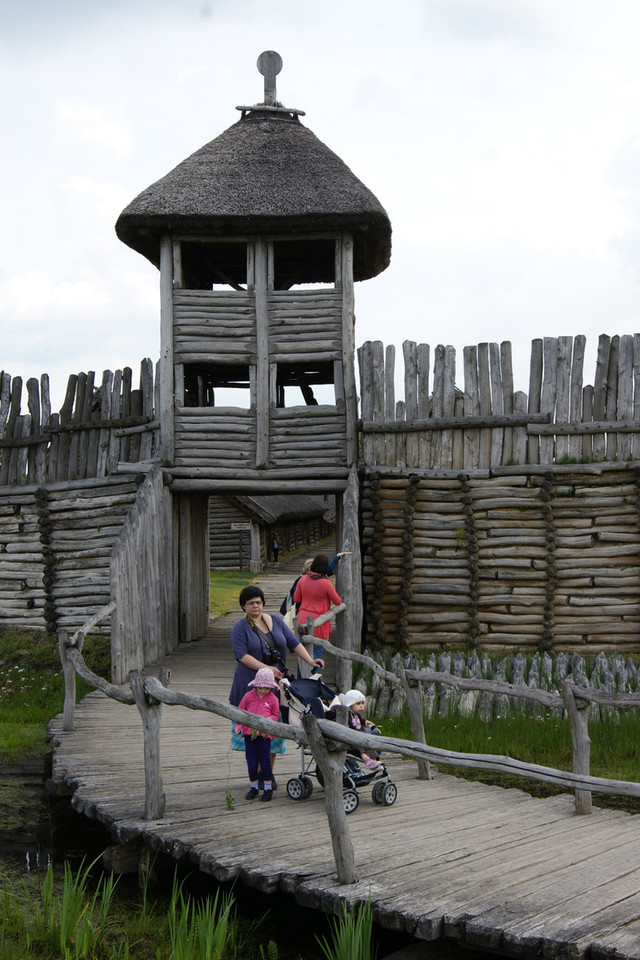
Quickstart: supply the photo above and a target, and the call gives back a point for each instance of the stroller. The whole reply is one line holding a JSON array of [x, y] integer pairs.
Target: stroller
[[310, 693]]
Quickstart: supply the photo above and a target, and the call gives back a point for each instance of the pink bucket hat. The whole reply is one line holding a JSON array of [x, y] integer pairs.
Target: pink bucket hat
[[264, 678]]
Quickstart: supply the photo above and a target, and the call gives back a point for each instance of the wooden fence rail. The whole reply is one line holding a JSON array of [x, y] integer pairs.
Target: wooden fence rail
[[574, 698], [322, 736], [486, 423]]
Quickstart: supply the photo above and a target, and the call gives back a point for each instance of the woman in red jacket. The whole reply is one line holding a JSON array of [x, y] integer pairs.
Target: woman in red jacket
[[315, 593]]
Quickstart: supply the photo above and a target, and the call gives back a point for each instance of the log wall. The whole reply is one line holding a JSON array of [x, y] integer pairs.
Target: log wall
[[143, 574], [229, 548], [55, 543], [513, 561], [210, 325], [495, 519], [489, 517]]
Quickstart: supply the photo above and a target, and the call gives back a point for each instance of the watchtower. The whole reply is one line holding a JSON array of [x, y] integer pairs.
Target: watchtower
[[259, 237]]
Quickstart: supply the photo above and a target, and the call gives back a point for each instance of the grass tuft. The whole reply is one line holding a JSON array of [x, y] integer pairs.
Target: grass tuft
[[351, 937]]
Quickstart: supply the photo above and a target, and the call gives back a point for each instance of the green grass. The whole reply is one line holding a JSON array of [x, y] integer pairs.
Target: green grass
[[224, 590], [543, 739], [32, 689]]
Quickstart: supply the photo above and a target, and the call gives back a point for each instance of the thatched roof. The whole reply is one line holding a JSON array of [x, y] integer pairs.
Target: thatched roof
[[267, 173]]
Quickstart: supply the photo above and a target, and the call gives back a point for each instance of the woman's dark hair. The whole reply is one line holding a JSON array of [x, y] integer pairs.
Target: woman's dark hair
[[248, 593], [320, 565]]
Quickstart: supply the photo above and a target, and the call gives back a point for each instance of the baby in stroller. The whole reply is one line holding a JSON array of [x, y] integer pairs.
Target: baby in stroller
[[355, 701], [360, 769]]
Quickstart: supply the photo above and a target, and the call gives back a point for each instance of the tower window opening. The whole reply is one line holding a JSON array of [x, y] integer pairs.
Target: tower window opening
[[214, 266], [299, 384], [217, 385], [304, 262]]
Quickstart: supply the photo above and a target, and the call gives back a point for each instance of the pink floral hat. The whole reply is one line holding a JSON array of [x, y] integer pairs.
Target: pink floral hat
[[264, 678]]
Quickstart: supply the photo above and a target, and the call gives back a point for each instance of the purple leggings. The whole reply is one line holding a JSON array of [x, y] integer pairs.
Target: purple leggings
[[258, 752]]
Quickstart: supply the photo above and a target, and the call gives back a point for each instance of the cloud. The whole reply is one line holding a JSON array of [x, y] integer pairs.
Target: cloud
[[107, 199], [482, 20], [91, 126], [36, 294]]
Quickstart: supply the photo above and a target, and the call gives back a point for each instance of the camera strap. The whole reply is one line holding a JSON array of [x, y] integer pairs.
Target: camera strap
[[268, 639]]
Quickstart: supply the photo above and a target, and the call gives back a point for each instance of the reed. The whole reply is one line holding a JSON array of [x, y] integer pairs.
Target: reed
[[207, 929], [73, 923], [351, 936]]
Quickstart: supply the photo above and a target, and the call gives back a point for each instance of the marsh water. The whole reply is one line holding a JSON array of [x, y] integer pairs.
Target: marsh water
[[37, 830]]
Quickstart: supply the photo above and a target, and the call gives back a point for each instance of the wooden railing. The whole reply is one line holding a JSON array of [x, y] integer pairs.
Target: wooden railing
[[320, 737], [574, 698]]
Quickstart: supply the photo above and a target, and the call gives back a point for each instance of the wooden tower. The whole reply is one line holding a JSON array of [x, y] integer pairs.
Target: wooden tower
[[259, 237]]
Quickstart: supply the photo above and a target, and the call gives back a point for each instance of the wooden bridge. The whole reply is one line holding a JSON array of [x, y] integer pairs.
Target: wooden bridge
[[493, 869]]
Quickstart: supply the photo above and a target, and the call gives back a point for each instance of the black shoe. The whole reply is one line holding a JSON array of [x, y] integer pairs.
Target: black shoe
[[267, 795], [260, 782], [252, 794], [274, 783]]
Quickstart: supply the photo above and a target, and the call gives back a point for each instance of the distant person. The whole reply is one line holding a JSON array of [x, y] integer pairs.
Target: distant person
[[275, 548], [314, 595], [262, 700], [287, 603]]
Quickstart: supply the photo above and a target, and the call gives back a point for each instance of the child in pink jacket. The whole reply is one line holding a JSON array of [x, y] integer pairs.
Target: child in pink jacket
[[261, 700]]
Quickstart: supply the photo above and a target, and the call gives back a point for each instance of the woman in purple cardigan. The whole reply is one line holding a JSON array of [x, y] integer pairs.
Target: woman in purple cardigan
[[261, 640]]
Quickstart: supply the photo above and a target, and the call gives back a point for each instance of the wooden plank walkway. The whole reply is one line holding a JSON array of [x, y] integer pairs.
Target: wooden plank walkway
[[495, 869]]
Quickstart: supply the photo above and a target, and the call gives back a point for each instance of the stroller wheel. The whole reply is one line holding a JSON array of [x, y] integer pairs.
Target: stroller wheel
[[377, 793], [350, 800], [296, 788], [307, 786], [389, 794]]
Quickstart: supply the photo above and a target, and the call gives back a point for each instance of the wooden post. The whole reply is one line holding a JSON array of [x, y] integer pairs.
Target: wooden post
[[349, 580], [151, 713], [415, 703], [69, 673], [193, 565], [255, 560], [167, 433], [305, 632], [330, 759], [579, 717], [348, 346], [262, 354]]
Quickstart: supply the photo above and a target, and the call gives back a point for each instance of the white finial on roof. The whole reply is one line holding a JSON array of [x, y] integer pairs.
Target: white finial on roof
[[270, 65]]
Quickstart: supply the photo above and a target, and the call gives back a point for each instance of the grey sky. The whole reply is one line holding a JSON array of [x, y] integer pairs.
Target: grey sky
[[502, 136]]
